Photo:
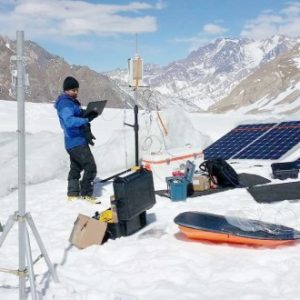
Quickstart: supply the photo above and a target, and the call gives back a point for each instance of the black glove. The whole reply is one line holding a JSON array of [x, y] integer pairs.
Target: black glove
[[92, 115], [88, 134]]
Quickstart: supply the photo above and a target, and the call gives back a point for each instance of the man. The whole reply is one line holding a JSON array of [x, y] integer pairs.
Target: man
[[78, 136]]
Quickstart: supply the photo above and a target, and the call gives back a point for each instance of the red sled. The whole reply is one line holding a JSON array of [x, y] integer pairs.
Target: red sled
[[218, 228]]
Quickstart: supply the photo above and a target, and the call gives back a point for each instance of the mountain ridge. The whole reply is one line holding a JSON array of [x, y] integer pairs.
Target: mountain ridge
[[212, 78], [276, 84], [47, 72], [210, 73]]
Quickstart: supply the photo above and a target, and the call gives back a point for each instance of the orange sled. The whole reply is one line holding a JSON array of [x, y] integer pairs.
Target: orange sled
[[217, 228]]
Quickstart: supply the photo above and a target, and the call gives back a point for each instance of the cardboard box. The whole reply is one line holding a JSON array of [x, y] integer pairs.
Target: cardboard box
[[87, 231], [200, 183]]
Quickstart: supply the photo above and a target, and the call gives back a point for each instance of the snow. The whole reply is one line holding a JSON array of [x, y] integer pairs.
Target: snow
[[297, 61], [254, 54], [157, 262], [274, 105]]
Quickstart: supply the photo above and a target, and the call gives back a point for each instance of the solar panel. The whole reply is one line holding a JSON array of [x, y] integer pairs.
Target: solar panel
[[274, 144], [256, 141], [236, 140]]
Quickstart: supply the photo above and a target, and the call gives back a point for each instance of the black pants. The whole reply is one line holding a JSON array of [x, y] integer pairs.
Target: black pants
[[81, 159]]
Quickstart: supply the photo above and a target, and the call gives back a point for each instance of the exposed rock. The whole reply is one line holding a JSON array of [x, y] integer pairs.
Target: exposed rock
[[264, 86], [47, 72], [209, 74]]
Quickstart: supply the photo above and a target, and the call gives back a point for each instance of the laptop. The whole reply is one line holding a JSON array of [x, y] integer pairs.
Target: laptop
[[95, 106]]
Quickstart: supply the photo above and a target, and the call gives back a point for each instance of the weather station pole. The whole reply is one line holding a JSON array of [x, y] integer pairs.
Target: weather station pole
[[136, 134], [138, 76], [135, 127], [24, 218], [135, 77]]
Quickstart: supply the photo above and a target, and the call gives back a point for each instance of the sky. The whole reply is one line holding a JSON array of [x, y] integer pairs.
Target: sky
[[103, 34], [157, 262]]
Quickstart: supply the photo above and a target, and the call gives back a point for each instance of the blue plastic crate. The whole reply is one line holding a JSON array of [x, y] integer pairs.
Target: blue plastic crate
[[177, 185], [188, 173], [177, 189]]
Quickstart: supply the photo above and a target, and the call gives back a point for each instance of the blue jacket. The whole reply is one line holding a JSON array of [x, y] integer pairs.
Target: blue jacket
[[71, 120]]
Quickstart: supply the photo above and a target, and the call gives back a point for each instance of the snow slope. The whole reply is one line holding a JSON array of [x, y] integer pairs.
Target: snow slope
[[156, 262]]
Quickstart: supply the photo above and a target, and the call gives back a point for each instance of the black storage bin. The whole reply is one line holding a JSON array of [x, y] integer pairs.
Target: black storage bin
[[285, 170], [125, 228], [134, 194]]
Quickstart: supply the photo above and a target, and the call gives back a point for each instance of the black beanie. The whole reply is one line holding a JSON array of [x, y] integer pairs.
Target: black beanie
[[70, 83]]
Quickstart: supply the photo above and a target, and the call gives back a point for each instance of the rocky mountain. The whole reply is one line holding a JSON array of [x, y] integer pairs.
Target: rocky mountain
[[227, 74], [211, 73], [275, 87], [46, 73]]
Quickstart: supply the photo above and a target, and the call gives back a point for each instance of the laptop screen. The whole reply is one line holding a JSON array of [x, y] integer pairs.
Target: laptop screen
[[95, 106]]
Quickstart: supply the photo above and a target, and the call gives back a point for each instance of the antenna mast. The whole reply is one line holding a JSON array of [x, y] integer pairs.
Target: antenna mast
[[23, 218], [136, 45]]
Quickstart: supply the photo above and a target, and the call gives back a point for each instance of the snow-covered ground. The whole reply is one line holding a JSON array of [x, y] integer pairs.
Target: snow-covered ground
[[156, 262]]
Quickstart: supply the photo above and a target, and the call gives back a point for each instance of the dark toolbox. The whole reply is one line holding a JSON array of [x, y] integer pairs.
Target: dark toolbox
[[125, 228], [134, 194], [285, 170], [177, 186]]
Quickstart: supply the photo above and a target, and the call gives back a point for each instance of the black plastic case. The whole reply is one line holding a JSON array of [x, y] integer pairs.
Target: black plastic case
[[125, 228], [285, 170], [134, 194]]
